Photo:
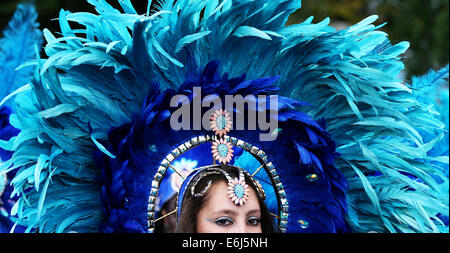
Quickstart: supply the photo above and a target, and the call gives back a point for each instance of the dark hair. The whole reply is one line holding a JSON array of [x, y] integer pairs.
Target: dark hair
[[168, 224], [191, 206]]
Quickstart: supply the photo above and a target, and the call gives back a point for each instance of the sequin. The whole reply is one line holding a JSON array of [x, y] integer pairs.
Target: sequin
[[303, 224], [153, 148], [312, 177]]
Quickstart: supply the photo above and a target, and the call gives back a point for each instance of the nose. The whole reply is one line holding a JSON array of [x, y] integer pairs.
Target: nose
[[240, 227]]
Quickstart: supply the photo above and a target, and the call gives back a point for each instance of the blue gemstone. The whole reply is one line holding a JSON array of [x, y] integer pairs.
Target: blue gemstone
[[239, 191], [223, 150], [221, 122]]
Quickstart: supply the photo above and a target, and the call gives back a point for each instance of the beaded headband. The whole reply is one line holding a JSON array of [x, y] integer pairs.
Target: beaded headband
[[239, 195]]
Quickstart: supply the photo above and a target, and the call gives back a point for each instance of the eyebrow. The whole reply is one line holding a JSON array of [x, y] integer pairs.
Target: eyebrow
[[253, 211], [225, 211], [232, 212]]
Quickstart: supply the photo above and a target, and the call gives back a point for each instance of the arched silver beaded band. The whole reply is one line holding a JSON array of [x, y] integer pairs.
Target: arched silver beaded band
[[259, 154]]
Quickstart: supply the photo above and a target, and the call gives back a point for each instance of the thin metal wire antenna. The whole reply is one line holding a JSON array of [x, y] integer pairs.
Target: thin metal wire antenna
[[274, 215], [174, 169], [167, 215], [254, 173]]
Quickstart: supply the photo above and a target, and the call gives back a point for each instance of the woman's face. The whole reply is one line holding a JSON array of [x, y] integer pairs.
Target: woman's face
[[220, 215]]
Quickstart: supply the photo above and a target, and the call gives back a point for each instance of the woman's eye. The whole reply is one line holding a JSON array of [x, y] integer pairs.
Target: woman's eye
[[254, 221], [224, 221]]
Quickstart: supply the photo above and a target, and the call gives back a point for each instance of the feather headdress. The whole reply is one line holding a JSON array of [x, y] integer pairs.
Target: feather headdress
[[20, 43], [101, 99]]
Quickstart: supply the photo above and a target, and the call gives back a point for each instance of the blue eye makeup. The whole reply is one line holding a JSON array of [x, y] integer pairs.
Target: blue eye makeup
[[224, 221], [253, 221], [227, 221]]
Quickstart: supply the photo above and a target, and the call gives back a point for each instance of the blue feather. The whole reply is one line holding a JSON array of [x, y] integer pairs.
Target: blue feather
[[16, 50], [244, 31], [17, 47]]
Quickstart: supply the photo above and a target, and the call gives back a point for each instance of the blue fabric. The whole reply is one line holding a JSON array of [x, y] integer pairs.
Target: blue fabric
[[250, 164]]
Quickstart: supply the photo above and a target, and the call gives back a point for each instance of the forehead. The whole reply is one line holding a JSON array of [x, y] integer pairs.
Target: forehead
[[219, 200]]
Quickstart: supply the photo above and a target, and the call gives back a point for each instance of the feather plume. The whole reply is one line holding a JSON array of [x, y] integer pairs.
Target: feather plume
[[17, 47], [431, 90], [374, 117]]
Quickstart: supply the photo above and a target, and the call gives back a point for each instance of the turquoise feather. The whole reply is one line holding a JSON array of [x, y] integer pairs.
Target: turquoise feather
[[17, 48]]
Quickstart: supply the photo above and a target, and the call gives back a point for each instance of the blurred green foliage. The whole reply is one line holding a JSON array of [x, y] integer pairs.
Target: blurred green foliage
[[423, 23]]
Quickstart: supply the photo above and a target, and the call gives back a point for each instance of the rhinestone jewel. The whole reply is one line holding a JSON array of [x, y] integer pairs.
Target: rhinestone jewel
[[312, 177], [223, 150], [303, 224], [238, 191], [221, 122]]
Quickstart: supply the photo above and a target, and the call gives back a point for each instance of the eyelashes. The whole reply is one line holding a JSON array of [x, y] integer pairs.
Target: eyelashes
[[223, 221], [227, 221], [253, 221]]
